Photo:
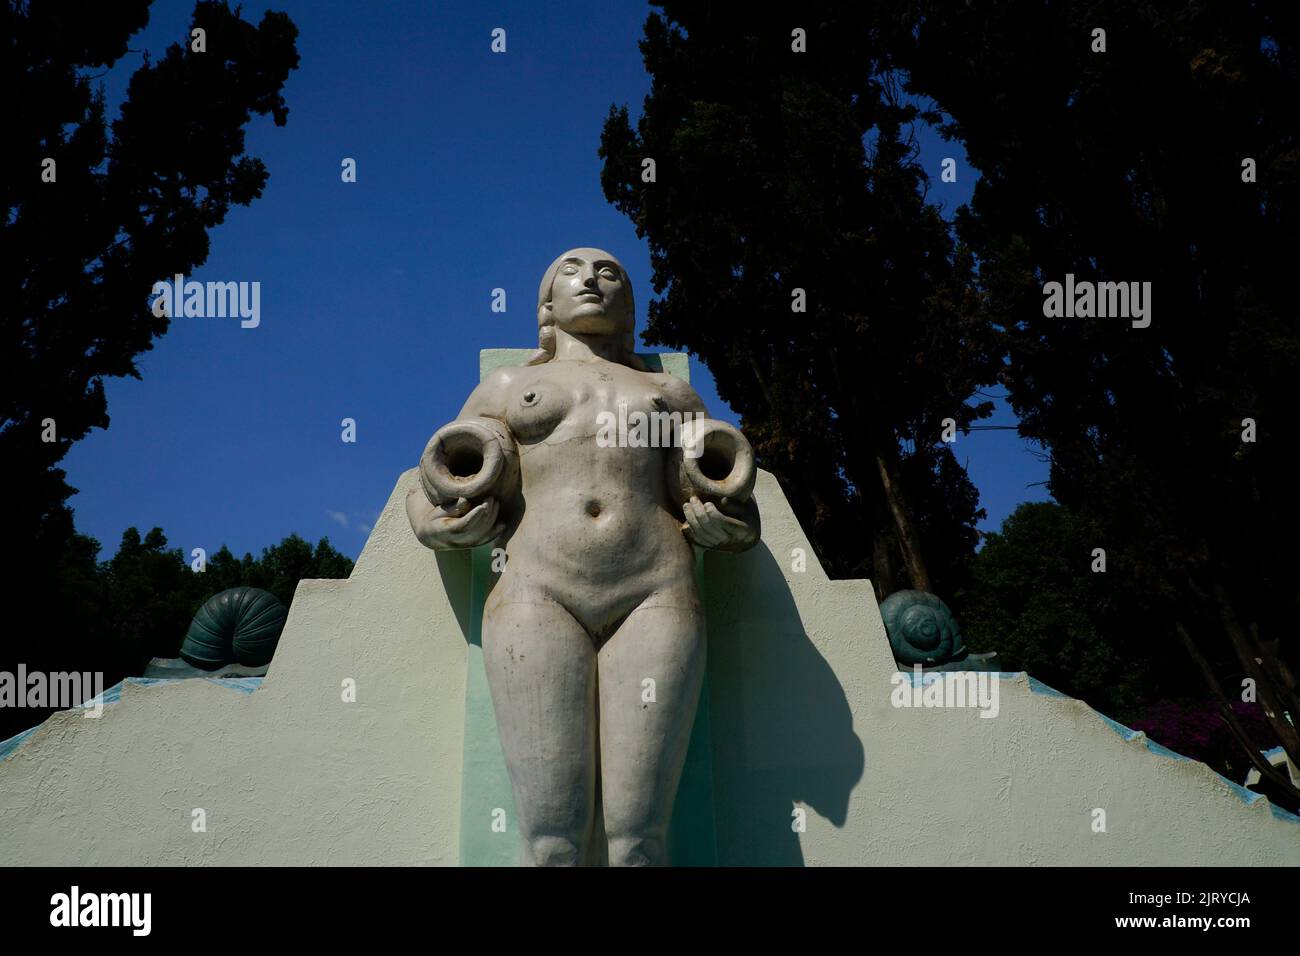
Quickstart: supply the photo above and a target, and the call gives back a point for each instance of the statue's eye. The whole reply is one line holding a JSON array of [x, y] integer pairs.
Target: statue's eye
[[609, 273], [530, 398]]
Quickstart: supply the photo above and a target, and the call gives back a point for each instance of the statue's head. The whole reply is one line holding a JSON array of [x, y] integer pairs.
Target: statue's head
[[585, 292]]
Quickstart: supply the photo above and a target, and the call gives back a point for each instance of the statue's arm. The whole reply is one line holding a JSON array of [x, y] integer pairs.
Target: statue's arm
[[469, 467], [713, 519]]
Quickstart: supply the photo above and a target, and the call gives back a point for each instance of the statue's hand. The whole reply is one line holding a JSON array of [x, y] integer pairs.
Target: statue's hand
[[713, 526], [453, 525]]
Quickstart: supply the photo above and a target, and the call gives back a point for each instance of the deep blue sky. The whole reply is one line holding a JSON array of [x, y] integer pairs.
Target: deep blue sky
[[475, 170]]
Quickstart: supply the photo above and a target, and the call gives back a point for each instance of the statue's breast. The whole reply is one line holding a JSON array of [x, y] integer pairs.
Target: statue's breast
[[535, 410], [573, 403]]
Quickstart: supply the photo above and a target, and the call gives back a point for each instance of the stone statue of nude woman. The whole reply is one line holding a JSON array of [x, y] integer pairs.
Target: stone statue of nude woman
[[598, 593]]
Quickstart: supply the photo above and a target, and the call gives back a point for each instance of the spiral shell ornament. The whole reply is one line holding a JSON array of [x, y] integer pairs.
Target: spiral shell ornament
[[240, 625], [921, 629]]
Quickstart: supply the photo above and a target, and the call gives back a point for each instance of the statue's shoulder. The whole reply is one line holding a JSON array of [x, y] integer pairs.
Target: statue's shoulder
[[492, 395], [678, 392], [507, 378]]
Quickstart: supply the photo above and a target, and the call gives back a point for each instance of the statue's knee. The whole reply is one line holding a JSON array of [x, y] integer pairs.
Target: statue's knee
[[553, 851], [636, 851]]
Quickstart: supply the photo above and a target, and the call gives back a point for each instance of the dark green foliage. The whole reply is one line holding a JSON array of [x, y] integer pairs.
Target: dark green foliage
[[153, 595], [280, 568], [132, 203], [777, 171], [79, 256], [1079, 633], [148, 598], [1127, 166], [1033, 599], [117, 614]]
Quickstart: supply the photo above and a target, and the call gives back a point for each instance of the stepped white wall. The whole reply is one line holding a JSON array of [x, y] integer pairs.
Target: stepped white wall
[[799, 681]]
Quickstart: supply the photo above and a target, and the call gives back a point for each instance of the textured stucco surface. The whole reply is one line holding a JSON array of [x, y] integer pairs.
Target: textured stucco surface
[[290, 774], [799, 712], [799, 671]]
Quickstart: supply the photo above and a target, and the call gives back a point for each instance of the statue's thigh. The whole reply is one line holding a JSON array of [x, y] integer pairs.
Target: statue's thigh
[[645, 728], [541, 670]]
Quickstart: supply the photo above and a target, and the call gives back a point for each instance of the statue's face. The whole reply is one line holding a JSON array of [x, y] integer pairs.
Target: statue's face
[[590, 294]]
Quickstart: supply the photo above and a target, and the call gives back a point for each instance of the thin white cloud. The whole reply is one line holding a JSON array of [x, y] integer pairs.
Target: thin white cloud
[[356, 521]]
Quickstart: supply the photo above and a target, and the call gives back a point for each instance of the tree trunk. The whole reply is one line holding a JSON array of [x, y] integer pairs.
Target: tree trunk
[[1264, 669], [1252, 750], [885, 453], [883, 575], [908, 540]]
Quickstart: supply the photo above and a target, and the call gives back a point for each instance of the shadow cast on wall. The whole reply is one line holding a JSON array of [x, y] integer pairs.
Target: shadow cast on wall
[[782, 726], [775, 731]]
